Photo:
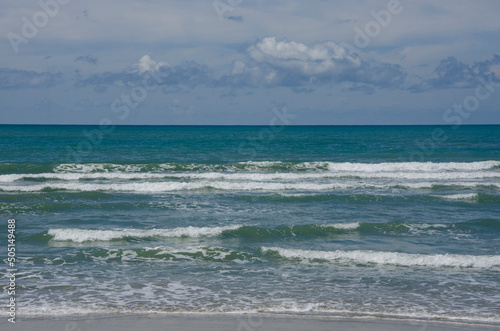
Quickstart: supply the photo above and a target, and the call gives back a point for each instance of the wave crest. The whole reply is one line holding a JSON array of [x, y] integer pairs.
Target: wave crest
[[391, 258], [81, 235]]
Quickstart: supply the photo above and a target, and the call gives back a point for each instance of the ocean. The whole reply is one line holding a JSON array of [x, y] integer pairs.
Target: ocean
[[388, 221]]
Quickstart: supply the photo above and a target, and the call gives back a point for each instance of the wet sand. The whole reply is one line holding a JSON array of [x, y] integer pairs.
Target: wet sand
[[230, 322]]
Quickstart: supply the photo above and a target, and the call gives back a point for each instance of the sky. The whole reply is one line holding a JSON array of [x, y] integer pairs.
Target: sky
[[242, 62]]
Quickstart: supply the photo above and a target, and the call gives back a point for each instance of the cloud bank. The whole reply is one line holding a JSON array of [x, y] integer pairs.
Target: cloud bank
[[21, 79]]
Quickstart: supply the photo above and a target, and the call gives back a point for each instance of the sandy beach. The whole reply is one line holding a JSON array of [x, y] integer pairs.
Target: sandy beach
[[229, 322]]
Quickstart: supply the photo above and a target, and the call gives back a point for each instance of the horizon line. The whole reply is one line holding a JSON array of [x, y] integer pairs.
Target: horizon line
[[248, 125]]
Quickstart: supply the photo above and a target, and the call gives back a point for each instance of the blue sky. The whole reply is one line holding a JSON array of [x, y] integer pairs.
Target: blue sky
[[240, 61]]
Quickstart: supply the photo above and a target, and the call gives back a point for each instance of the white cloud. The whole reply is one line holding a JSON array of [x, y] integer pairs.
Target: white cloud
[[290, 63], [148, 64], [238, 67], [320, 58]]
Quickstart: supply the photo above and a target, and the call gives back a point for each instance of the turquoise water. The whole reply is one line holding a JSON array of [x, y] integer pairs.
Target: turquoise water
[[377, 220]]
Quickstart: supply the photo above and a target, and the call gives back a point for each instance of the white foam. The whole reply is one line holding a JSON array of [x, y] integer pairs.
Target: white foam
[[77, 176], [413, 166], [393, 258], [252, 165], [425, 229], [414, 318], [304, 308], [175, 186], [262, 163], [295, 194], [169, 186], [80, 235], [36, 308], [97, 167], [344, 226], [466, 196], [385, 166], [257, 176]]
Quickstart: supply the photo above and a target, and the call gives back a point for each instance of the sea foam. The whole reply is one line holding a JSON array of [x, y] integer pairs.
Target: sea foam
[[344, 226], [283, 166], [81, 235], [392, 258], [257, 177], [465, 196], [170, 186]]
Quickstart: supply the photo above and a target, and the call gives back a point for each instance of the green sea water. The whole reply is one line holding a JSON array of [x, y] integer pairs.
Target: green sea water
[[360, 220]]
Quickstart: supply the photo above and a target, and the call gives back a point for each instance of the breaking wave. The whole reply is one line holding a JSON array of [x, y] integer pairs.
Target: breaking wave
[[391, 258]]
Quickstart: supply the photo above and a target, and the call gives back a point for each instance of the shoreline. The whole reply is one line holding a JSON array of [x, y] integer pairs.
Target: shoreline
[[234, 321]]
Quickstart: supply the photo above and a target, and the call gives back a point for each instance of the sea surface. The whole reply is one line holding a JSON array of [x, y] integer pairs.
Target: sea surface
[[394, 221]]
